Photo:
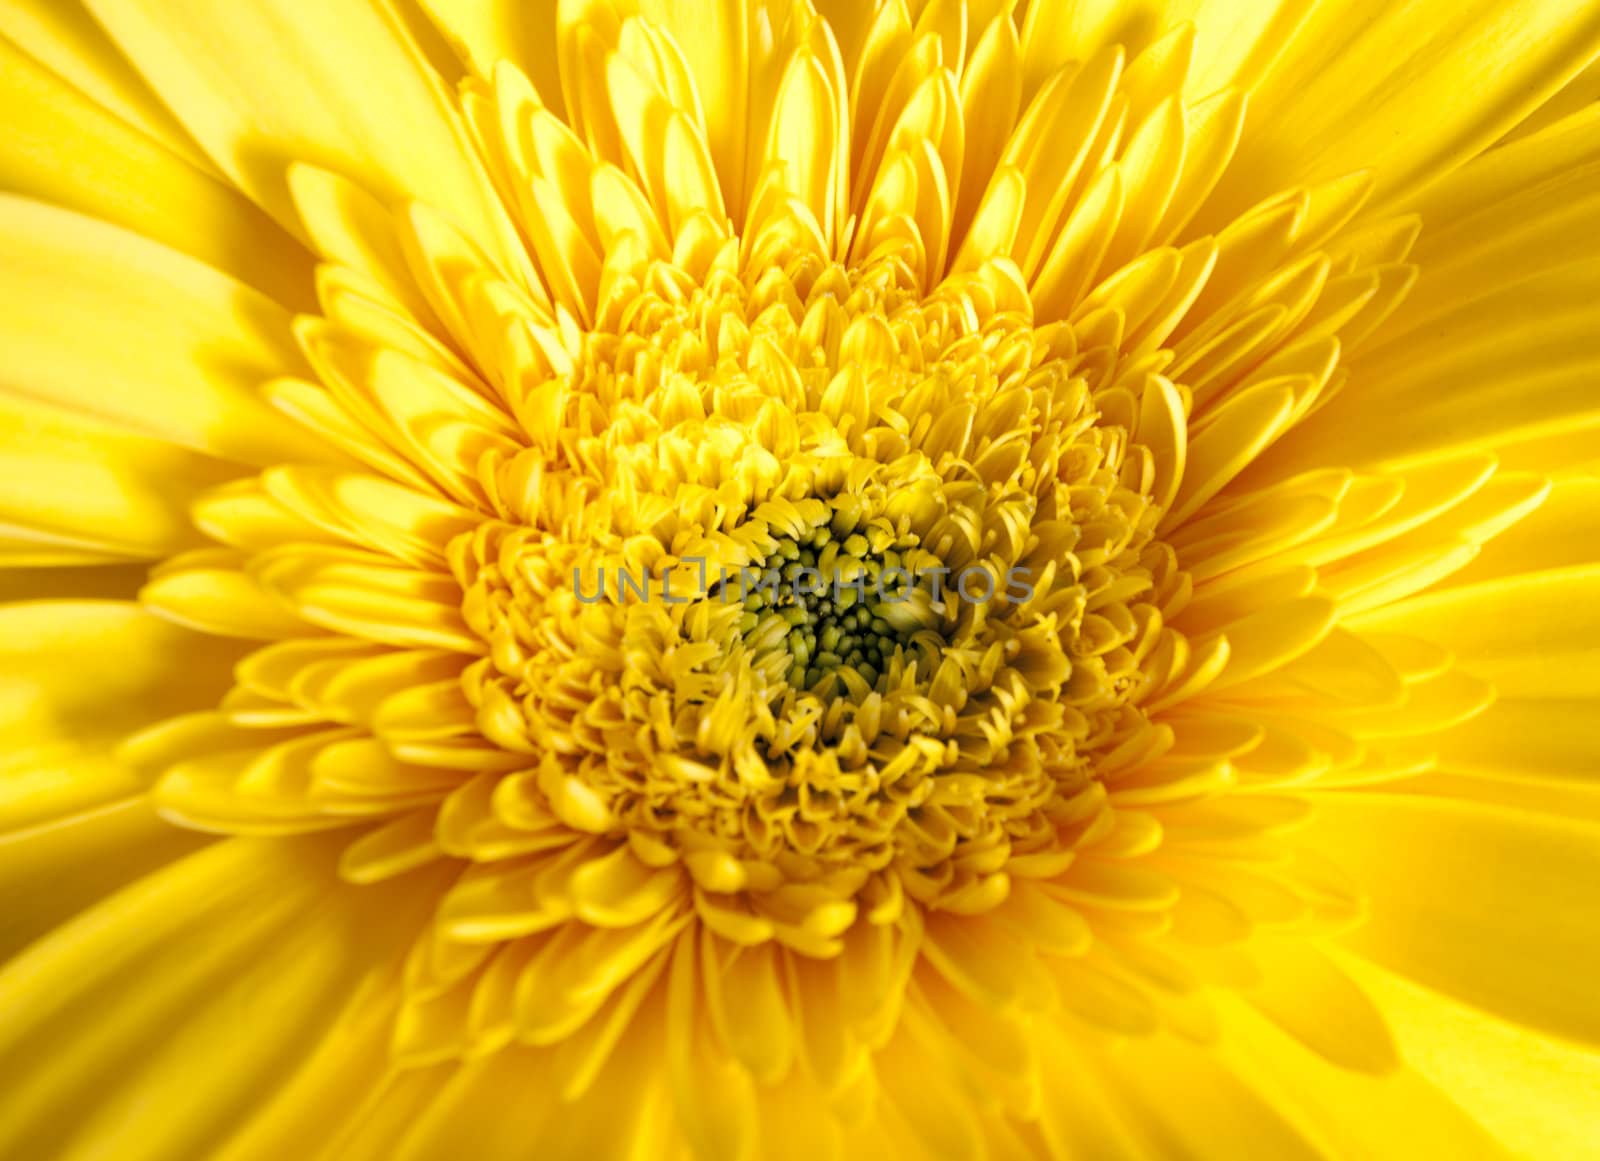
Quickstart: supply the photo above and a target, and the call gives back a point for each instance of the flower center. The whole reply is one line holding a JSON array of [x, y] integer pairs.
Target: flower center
[[817, 577], [842, 595]]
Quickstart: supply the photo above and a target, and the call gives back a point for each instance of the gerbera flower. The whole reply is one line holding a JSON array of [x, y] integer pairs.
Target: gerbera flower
[[749, 580]]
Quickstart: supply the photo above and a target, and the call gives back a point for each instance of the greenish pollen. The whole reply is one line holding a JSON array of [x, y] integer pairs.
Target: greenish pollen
[[818, 599]]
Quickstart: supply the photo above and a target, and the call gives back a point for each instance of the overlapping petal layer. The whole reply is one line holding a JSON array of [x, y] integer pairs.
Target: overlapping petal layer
[[1111, 298]]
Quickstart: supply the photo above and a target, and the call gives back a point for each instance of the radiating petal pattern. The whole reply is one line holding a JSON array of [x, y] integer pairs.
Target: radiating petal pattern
[[761, 579]]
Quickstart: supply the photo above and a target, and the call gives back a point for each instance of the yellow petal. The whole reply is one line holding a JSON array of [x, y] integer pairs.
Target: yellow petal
[[715, 40], [365, 595], [84, 493], [361, 688], [1528, 380], [107, 582], [617, 890], [62, 148], [340, 86], [1079, 1117], [1307, 995], [493, 902], [1534, 636], [1213, 129], [1532, 1092], [207, 590], [349, 225], [1378, 86], [391, 849], [68, 861], [718, 1127], [63, 38], [991, 96], [412, 526], [1079, 248], [1559, 535], [485, 32], [921, 1089], [63, 708], [750, 1011], [804, 140], [155, 978], [1152, 165], [336, 1075], [242, 515], [1554, 739], [468, 1119], [1482, 903], [1267, 638], [1402, 1114], [1222, 1106], [1507, 216], [1053, 144], [179, 360], [1242, 427]]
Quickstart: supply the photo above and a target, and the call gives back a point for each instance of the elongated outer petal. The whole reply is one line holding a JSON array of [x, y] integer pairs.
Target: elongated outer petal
[[1534, 1093], [78, 492], [1233, 42], [718, 52], [484, 32], [95, 319], [155, 978], [61, 147], [83, 856], [64, 38], [60, 727], [469, 1117], [1366, 84], [1221, 1104], [1490, 905], [1562, 532], [337, 84], [114, 1010], [1535, 636], [72, 821], [1503, 314], [1402, 1114], [1505, 216]]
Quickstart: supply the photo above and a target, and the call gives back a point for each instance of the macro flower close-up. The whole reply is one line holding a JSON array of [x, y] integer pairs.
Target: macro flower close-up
[[799, 580]]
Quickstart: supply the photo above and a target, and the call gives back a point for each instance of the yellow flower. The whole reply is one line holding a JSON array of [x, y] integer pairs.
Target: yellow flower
[[739, 580]]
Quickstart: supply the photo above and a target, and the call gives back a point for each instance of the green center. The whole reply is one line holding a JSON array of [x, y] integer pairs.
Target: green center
[[833, 601]]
